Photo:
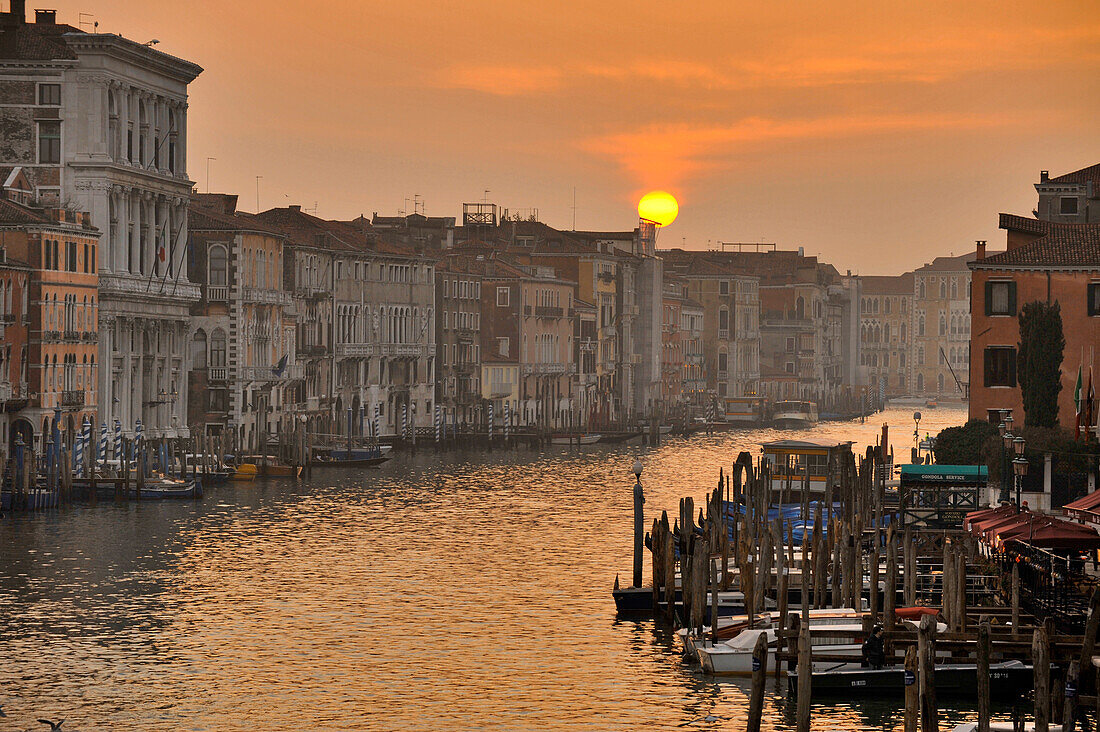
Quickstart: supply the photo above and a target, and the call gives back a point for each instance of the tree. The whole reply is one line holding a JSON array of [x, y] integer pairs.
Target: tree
[[964, 445], [1039, 362]]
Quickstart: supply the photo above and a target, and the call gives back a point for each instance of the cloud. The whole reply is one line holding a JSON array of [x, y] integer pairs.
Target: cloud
[[670, 155]]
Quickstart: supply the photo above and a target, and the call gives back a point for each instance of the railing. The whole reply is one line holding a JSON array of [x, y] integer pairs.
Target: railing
[[128, 284], [548, 311], [72, 399], [549, 368], [312, 292], [588, 346], [354, 350], [401, 349], [723, 333], [72, 335], [51, 335], [89, 336], [267, 373], [218, 373], [217, 294], [312, 350], [7, 318], [266, 296]]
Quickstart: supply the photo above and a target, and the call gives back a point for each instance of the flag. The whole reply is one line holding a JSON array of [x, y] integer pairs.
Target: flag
[[1090, 404], [278, 370], [1077, 405], [161, 252]]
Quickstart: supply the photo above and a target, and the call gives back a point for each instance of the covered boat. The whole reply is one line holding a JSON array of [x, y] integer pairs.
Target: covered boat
[[1007, 680]]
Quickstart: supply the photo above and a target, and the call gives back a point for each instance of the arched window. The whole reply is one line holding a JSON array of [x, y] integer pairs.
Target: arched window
[[954, 288], [920, 356], [198, 349], [920, 325], [920, 382], [943, 289], [800, 308], [920, 288], [217, 272], [902, 335], [943, 325], [217, 348], [886, 332], [939, 382]]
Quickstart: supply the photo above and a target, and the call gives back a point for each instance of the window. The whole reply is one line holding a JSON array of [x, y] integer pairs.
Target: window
[[217, 276], [1000, 298], [70, 256], [789, 366], [1067, 206], [50, 94], [49, 142], [198, 349], [1000, 366], [502, 297], [724, 287], [503, 345], [1094, 298], [723, 360], [218, 400], [217, 349], [723, 319]]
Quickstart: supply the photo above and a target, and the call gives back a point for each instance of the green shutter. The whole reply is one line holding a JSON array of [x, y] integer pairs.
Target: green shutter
[[988, 355], [988, 305], [1012, 299]]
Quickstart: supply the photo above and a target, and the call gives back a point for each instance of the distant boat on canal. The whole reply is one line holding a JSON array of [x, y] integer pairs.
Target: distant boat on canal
[[355, 457], [795, 414], [574, 438]]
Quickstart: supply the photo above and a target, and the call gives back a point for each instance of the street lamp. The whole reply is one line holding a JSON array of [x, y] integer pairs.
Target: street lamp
[[1019, 466], [639, 500], [1005, 428]]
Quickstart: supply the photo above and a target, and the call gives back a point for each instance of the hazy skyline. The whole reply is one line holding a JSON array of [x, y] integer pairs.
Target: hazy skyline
[[876, 137]]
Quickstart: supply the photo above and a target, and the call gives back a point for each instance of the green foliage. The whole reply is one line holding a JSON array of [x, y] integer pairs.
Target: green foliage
[[964, 445], [1070, 455], [1039, 362]]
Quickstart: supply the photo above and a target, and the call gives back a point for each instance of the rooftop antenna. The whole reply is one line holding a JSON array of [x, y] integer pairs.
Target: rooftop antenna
[[574, 208], [84, 19], [208, 173], [418, 205], [485, 196], [258, 193]]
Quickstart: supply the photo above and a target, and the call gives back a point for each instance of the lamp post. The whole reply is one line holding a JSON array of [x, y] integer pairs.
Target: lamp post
[[1019, 466], [1005, 428], [639, 518], [916, 437]]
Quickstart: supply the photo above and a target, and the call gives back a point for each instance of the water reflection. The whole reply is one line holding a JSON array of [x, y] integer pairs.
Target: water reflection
[[456, 591]]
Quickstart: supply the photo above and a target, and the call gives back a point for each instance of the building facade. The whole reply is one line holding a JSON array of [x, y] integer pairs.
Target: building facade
[[1073, 198], [884, 312], [458, 340], [940, 325]]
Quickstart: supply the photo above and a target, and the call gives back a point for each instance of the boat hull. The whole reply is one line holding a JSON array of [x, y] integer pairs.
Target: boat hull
[[574, 439], [1007, 680], [191, 489]]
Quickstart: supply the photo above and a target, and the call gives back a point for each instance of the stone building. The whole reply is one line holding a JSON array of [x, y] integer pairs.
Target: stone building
[[243, 355], [458, 340], [1073, 198], [58, 354], [382, 329], [940, 328], [15, 321], [884, 312], [99, 124]]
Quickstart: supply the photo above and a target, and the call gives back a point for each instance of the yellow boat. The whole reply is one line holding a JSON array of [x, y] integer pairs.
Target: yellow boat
[[245, 471]]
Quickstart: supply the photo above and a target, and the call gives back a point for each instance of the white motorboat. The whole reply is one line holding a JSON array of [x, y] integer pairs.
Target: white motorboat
[[733, 657], [794, 414], [577, 438]]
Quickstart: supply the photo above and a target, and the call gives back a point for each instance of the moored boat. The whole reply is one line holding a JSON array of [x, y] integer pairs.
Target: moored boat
[[574, 438], [356, 457], [171, 489], [794, 414], [1007, 680], [245, 472]]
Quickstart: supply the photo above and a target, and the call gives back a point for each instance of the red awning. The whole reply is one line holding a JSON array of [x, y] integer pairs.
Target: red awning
[[1084, 508], [986, 514], [1048, 532], [984, 528]]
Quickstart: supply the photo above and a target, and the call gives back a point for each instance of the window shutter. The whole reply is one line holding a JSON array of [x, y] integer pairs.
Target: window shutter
[[1012, 362], [988, 311], [988, 359], [1012, 305]]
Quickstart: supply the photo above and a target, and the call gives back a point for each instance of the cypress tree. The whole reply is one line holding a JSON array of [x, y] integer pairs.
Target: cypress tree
[[1039, 362]]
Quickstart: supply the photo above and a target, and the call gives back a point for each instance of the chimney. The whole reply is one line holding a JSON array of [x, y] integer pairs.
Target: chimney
[[17, 15], [45, 17], [1044, 176], [980, 250], [295, 208]]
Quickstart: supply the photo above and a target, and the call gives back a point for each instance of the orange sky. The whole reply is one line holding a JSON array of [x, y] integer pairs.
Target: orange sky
[[876, 136]]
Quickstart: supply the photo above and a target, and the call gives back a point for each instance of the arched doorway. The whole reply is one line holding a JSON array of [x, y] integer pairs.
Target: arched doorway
[[20, 428]]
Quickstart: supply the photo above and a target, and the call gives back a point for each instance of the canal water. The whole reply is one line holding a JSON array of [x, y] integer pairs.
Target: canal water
[[456, 591]]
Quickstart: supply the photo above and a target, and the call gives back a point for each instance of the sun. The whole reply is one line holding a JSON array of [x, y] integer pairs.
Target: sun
[[660, 207]]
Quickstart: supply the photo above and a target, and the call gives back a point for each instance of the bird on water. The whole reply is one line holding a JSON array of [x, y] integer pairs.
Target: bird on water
[[54, 726]]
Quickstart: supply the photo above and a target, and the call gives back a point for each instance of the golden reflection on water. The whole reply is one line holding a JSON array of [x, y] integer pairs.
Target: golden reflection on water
[[454, 591]]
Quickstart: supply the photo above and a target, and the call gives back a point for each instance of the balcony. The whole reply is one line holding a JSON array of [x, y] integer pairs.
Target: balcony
[[401, 349], [265, 296], [72, 336], [72, 399], [51, 335], [18, 396], [310, 292], [89, 336], [7, 318], [217, 294], [548, 369], [464, 367], [354, 350], [588, 346], [548, 311], [218, 373], [312, 350]]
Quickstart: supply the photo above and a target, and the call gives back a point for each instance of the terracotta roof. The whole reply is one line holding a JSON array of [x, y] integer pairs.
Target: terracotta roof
[[888, 284], [1084, 175], [336, 236], [949, 264], [1057, 245], [29, 43], [200, 218], [13, 213]]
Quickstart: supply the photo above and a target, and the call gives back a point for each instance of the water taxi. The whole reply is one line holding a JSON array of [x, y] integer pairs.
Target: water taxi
[[793, 462], [794, 414], [747, 411]]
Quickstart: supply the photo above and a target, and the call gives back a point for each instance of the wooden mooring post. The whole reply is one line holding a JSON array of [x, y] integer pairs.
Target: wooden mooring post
[[1040, 658], [983, 676], [926, 649], [759, 678]]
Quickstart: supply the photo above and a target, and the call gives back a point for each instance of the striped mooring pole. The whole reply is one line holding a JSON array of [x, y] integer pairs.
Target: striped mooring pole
[[118, 441], [78, 449], [102, 444], [490, 421], [404, 421], [438, 424]]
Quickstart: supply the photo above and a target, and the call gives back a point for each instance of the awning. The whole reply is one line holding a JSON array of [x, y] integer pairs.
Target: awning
[[1052, 533], [986, 514], [1087, 506]]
